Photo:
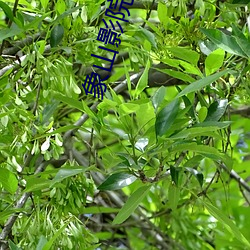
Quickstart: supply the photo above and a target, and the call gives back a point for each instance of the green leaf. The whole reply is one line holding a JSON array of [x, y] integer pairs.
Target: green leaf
[[128, 108], [193, 132], [49, 244], [177, 74], [56, 35], [66, 172], [41, 243], [158, 97], [214, 61], [132, 203], [143, 34], [245, 2], [70, 101], [8, 180], [117, 181], [13, 246], [198, 85], [98, 210], [35, 184], [202, 114], [173, 196], [186, 54], [219, 125], [143, 81], [9, 32], [7, 10], [198, 175], [216, 110], [227, 223], [161, 11], [174, 172], [223, 41], [166, 117]]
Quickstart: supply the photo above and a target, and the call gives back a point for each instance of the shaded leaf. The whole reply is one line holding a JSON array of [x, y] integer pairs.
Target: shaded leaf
[[166, 117], [56, 35], [198, 175], [174, 172], [132, 203], [117, 181], [216, 110], [245, 2]]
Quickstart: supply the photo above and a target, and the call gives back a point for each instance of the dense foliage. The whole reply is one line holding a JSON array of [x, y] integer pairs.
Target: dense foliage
[[162, 162]]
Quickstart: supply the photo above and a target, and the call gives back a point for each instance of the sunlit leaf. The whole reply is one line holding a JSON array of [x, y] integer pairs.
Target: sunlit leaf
[[8, 180], [198, 85]]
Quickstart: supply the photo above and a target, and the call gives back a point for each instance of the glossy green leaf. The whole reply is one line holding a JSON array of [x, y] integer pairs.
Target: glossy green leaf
[[214, 61], [117, 181], [198, 175], [223, 41], [158, 97], [227, 223], [131, 204], [216, 110], [198, 85], [173, 196], [166, 117], [174, 172], [8, 180], [56, 35]]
